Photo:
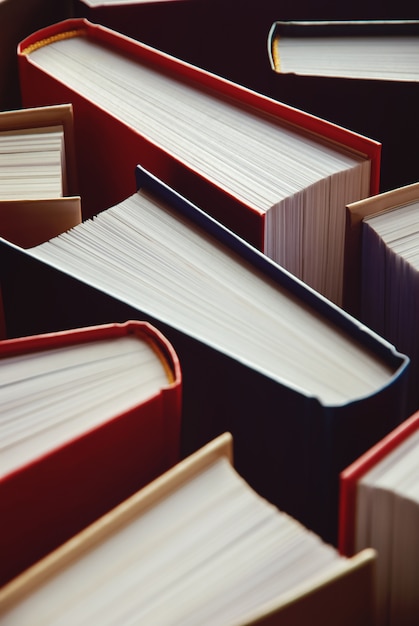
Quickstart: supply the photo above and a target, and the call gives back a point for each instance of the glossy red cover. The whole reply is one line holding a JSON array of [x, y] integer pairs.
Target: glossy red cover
[[50, 499], [111, 180]]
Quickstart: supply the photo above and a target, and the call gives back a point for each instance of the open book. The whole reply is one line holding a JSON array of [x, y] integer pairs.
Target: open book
[[87, 417], [38, 180], [262, 353], [276, 176], [196, 546], [380, 509]]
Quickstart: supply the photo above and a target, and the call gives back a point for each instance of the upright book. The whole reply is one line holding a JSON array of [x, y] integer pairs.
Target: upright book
[[203, 548], [87, 417], [379, 508], [303, 387], [381, 270], [278, 177], [363, 74]]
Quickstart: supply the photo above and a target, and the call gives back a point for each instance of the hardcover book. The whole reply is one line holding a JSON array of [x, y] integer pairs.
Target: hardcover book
[[203, 548], [381, 270], [87, 417], [278, 177], [360, 73], [303, 387], [38, 180]]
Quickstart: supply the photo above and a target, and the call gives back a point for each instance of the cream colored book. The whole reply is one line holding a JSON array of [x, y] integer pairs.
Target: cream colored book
[[37, 174], [196, 546]]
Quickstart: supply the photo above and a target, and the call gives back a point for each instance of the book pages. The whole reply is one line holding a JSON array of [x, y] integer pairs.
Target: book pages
[[143, 252]]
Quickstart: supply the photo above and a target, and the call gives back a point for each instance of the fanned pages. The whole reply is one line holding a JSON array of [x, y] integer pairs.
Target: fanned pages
[[143, 250], [87, 416], [203, 548], [262, 353], [276, 176]]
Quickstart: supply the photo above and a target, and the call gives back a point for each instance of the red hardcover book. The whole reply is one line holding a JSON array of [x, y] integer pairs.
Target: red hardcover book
[[353, 473], [112, 138], [81, 449]]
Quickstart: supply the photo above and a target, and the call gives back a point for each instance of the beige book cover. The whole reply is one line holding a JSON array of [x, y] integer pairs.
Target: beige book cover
[[169, 509]]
